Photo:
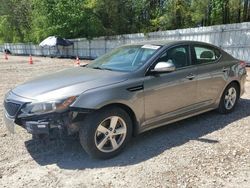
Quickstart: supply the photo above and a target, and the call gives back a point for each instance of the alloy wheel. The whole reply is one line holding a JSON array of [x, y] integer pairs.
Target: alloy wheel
[[230, 98], [110, 134]]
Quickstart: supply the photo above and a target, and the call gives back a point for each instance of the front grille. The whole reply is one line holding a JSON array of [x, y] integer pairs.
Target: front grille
[[11, 108]]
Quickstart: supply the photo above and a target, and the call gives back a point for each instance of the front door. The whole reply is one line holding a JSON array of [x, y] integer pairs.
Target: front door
[[170, 94]]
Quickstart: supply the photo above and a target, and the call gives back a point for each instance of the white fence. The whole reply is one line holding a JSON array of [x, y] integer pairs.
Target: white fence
[[233, 38]]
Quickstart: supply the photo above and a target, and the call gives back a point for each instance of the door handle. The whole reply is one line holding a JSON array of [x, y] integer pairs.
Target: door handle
[[190, 77], [224, 69]]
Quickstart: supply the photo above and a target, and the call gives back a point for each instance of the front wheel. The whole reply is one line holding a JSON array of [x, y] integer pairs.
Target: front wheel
[[106, 132], [229, 98]]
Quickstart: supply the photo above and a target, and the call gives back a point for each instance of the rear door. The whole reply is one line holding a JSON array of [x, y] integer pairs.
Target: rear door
[[210, 73]]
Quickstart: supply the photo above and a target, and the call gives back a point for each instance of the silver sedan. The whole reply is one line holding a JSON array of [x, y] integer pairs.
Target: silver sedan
[[131, 89]]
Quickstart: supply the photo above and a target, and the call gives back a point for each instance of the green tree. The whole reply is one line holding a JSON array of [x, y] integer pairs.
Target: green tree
[[69, 19], [33, 20], [15, 18]]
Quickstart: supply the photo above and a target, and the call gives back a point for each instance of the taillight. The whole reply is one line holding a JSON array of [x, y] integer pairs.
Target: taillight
[[243, 64]]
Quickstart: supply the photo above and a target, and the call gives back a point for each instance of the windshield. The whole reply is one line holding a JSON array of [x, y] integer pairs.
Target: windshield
[[126, 58]]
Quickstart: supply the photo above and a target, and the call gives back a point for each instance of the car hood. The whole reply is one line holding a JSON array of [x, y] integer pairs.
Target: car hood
[[65, 83]]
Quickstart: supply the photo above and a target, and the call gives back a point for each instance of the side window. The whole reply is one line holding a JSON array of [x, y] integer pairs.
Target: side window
[[206, 54], [179, 56]]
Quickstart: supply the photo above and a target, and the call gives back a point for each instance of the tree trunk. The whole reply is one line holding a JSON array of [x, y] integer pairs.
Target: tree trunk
[[239, 12], [178, 16], [227, 12], [248, 11], [245, 7], [209, 12]]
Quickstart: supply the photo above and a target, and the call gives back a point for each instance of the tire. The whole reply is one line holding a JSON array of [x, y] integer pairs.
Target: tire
[[100, 138], [232, 88]]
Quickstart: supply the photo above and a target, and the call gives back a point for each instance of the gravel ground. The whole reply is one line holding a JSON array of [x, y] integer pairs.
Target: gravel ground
[[210, 150]]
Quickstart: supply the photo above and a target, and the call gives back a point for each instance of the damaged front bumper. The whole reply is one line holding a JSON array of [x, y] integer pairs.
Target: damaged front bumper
[[66, 121], [36, 125], [47, 123], [62, 124], [9, 122]]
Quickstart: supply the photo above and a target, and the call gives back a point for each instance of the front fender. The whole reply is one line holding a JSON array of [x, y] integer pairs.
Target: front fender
[[120, 93]]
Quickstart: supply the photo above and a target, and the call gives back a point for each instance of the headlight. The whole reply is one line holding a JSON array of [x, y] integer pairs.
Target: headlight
[[47, 107]]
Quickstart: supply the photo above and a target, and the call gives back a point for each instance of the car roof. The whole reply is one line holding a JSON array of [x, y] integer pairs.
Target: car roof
[[155, 42], [169, 42]]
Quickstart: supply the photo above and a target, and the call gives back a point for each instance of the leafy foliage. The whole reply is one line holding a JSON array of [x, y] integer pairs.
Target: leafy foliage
[[34, 20]]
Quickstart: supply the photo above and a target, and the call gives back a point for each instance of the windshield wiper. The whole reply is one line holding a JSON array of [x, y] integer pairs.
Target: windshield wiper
[[102, 68]]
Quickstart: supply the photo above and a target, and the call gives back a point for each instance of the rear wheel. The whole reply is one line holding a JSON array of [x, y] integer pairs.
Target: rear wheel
[[229, 98], [106, 132]]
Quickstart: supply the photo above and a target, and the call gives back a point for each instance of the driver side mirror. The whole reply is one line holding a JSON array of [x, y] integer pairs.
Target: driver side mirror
[[163, 67]]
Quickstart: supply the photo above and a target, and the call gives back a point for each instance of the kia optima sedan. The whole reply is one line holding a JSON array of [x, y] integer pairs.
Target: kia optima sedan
[[131, 89]]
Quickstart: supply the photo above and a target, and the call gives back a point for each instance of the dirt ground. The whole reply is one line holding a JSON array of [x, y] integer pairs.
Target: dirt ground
[[210, 150]]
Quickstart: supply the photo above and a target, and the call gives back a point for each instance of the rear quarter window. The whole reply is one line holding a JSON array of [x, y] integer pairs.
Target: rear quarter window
[[206, 54]]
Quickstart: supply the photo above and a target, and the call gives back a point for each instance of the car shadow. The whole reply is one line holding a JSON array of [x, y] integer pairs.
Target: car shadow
[[68, 154]]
